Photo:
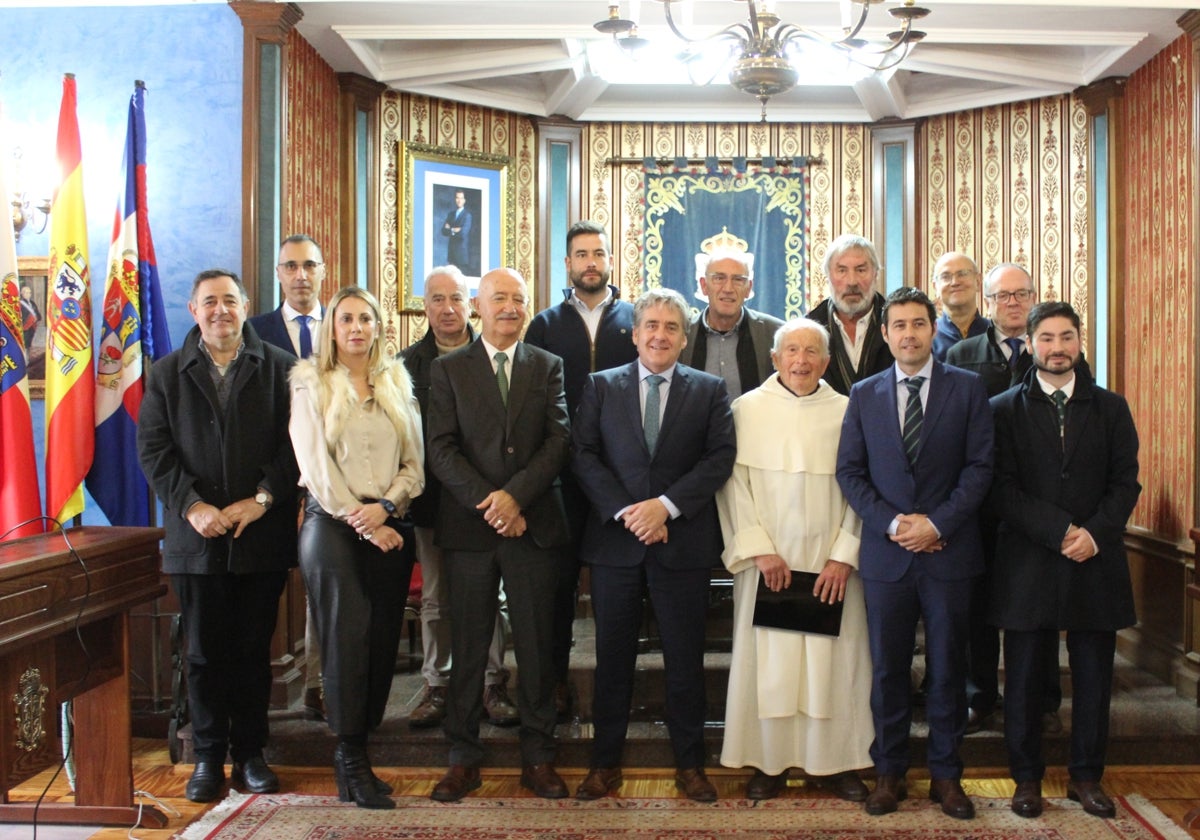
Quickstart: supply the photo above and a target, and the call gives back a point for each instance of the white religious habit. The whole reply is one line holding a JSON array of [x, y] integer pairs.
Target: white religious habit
[[795, 699]]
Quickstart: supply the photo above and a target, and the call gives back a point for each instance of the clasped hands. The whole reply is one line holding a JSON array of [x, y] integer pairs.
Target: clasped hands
[[370, 523], [211, 521], [830, 585], [1078, 544], [647, 520], [501, 511], [914, 532]]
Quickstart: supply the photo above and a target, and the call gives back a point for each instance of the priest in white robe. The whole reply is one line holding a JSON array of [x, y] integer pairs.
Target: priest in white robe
[[796, 700]]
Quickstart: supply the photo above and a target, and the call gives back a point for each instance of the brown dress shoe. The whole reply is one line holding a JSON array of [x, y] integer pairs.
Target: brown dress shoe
[[765, 786], [501, 710], [695, 785], [1051, 723], [955, 802], [431, 711], [977, 721], [600, 782], [1093, 798], [544, 781], [1027, 801], [457, 783], [847, 786], [889, 792]]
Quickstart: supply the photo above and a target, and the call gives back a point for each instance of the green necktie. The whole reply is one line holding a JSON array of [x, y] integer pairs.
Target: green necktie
[[502, 377]]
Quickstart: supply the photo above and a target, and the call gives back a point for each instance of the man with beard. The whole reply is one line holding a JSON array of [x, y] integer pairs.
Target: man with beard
[[591, 330], [956, 278], [729, 339], [852, 313], [1066, 483]]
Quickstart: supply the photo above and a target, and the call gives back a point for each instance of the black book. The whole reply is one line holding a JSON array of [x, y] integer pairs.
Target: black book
[[796, 608]]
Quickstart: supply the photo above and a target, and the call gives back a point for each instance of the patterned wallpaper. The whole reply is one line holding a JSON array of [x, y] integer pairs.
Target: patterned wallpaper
[[1159, 286], [312, 172], [419, 119]]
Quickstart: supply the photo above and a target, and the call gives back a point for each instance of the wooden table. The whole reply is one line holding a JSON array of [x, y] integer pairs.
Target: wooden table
[[64, 635]]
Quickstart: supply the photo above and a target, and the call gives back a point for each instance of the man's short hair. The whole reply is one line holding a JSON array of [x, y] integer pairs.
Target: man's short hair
[[850, 242], [453, 271], [742, 258], [993, 276], [665, 297], [300, 239], [802, 325], [584, 226], [213, 274], [1051, 309], [907, 294]]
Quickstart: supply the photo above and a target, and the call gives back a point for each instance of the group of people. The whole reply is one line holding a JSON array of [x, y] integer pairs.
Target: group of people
[[854, 449]]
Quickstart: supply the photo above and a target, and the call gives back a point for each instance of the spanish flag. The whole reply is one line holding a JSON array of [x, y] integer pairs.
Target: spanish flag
[[70, 380]]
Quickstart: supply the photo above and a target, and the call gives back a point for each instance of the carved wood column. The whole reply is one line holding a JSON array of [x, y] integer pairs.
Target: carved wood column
[[358, 157]]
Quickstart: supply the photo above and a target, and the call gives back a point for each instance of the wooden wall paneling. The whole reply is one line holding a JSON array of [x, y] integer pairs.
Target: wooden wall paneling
[[358, 95]]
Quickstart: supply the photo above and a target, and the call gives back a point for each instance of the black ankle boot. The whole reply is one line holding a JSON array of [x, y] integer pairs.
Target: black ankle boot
[[355, 781]]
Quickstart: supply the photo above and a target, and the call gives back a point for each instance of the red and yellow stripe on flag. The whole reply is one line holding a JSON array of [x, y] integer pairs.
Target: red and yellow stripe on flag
[[70, 380]]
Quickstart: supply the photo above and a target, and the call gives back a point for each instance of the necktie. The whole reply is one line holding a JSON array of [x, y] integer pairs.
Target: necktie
[[653, 409], [305, 336], [912, 418], [1060, 403], [1017, 345], [502, 377]]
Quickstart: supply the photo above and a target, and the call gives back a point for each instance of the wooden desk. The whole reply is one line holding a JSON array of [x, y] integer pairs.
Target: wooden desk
[[64, 635]]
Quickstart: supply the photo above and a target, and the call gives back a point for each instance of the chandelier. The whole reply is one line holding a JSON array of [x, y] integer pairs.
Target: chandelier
[[760, 49]]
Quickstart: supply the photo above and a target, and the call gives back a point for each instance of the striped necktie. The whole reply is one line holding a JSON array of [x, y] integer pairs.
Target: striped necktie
[[912, 418]]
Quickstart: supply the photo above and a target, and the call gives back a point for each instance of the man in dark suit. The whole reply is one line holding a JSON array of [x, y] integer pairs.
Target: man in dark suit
[[852, 313], [1066, 484], [653, 442], [729, 339], [457, 229], [213, 442], [915, 462], [999, 356], [295, 328], [498, 438]]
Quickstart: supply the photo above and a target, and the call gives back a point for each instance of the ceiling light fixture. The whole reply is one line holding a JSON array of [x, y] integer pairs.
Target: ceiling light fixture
[[761, 49]]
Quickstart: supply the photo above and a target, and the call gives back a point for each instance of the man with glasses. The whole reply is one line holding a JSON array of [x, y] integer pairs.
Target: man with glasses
[[729, 339], [956, 279], [294, 327]]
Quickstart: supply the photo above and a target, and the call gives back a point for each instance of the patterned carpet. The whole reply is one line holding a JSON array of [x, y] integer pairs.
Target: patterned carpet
[[293, 817]]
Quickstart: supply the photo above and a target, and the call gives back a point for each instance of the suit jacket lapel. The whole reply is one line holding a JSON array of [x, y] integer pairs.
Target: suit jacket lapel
[[940, 389], [631, 395], [485, 381], [677, 393], [885, 389], [520, 379]]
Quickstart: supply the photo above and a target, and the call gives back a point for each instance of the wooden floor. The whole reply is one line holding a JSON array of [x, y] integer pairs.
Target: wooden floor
[[1174, 790]]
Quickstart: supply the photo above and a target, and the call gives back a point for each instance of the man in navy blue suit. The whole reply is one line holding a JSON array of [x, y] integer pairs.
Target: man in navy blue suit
[[652, 443], [457, 229], [915, 462]]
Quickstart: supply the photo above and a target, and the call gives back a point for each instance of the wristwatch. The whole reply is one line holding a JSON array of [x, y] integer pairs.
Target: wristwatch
[[387, 505], [263, 498]]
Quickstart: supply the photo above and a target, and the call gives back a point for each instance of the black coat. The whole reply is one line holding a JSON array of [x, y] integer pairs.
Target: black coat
[[1044, 484], [980, 354], [876, 356], [187, 447]]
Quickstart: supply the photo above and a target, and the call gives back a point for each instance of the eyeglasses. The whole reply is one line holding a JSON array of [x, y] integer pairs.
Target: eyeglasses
[[1020, 295], [738, 280], [291, 266], [961, 274]]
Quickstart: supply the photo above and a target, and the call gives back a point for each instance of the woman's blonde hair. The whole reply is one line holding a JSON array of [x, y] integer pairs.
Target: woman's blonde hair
[[327, 358]]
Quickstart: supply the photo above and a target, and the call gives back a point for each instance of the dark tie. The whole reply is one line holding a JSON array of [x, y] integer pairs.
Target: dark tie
[[1017, 345], [1060, 403], [305, 336], [912, 418], [502, 377], [653, 408]]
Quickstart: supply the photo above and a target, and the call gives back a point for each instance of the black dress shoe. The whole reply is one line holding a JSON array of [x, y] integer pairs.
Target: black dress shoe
[[889, 792], [954, 801], [765, 786], [1027, 801], [254, 776], [208, 778], [847, 786], [976, 721], [1093, 798]]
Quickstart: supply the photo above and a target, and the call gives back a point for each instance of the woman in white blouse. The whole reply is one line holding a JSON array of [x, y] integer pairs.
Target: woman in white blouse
[[356, 430]]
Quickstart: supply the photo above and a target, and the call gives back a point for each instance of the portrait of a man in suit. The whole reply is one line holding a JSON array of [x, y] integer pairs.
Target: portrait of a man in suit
[[458, 227]]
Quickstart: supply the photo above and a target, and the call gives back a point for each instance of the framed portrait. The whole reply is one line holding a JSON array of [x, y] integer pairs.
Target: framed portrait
[[32, 275], [456, 208]]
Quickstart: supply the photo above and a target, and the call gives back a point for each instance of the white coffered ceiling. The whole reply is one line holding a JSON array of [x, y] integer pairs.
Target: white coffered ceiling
[[542, 57]]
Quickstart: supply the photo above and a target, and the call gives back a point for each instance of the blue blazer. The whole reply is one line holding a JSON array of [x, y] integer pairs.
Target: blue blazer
[[692, 460], [949, 483], [271, 329]]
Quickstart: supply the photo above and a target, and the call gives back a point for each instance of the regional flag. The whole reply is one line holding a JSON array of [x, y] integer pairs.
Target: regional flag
[[20, 500], [133, 329], [70, 381]]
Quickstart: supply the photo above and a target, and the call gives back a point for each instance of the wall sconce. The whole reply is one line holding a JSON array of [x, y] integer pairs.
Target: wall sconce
[[24, 211]]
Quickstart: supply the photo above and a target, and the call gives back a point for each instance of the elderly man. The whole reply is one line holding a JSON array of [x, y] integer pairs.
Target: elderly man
[[1066, 484], [956, 278], [915, 462], [446, 311], [852, 313], [498, 438], [213, 442], [652, 444], [729, 339], [795, 699]]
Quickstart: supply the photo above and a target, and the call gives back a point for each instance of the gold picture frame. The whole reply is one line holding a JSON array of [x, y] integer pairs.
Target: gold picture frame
[[34, 272]]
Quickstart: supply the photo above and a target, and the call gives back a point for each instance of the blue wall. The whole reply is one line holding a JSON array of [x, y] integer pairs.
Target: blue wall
[[190, 57]]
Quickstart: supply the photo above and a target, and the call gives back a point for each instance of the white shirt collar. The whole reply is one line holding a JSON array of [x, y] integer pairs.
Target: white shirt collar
[[290, 313]]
